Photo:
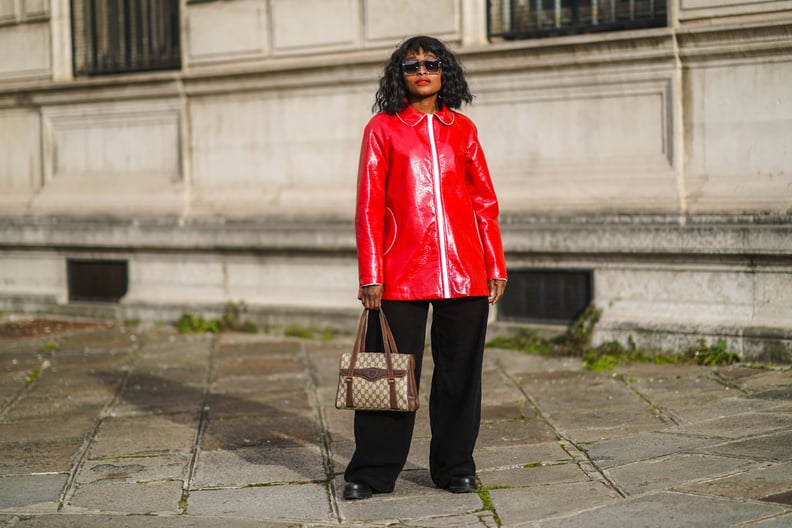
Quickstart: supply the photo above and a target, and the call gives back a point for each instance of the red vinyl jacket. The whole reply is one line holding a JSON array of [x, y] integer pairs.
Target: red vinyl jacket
[[427, 216]]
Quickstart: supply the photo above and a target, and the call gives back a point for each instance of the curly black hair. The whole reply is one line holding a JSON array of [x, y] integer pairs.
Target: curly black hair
[[392, 96]]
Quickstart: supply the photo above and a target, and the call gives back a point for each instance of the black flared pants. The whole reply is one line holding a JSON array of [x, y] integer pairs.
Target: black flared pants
[[382, 438]]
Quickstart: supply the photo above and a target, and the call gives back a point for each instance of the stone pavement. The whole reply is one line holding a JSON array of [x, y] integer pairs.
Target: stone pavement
[[144, 427]]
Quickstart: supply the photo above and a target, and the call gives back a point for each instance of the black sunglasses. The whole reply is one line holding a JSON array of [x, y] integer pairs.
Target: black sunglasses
[[412, 67]]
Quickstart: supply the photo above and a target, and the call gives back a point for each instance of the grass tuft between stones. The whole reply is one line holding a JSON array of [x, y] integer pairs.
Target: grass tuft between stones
[[576, 342]]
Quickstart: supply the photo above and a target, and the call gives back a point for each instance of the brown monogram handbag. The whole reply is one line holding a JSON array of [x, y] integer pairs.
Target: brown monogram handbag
[[376, 381]]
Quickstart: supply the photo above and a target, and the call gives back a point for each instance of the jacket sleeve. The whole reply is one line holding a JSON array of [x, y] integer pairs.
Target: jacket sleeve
[[485, 206], [370, 209]]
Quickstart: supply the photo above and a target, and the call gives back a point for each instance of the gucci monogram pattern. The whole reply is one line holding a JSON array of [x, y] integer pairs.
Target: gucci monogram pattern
[[375, 394]]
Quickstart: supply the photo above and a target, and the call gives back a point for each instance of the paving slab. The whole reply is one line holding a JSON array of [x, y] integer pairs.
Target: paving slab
[[557, 391], [176, 351], [28, 491], [684, 395], [481, 519], [188, 371], [78, 381], [785, 407], [64, 409], [80, 520], [144, 427], [517, 506], [42, 431], [247, 383], [602, 424], [39, 456], [775, 446], [121, 497], [780, 521], [392, 508], [267, 364], [280, 431], [671, 471], [135, 469], [301, 502], [738, 425], [775, 394], [520, 455], [692, 412], [151, 434], [150, 393], [767, 380], [259, 403], [256, 465], [668, 510], [12, 386], [764, 481], [532, 476], [99, 340], [632, 448], [512, 409], [518, 432], [518, 363]]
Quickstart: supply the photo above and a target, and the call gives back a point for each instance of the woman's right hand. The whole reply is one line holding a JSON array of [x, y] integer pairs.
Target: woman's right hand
[[371, 296]]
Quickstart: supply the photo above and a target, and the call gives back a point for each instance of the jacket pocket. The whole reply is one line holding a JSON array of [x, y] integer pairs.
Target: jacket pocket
[[389, 231]]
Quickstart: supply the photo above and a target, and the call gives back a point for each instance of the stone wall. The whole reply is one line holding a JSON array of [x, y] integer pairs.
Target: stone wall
[[659, 158]]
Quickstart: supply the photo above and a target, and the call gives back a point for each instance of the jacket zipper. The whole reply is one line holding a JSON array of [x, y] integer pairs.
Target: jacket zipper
[[439, 208]]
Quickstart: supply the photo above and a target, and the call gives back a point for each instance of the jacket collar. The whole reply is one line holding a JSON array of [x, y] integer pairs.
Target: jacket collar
[[411, 117]]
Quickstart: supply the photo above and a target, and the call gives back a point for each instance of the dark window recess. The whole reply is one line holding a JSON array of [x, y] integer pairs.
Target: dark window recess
[[119, 36], [97, 280], [546, 296], [514, 19]]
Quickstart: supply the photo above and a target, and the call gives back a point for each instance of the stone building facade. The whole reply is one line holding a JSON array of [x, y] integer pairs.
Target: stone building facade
[[648, 169]]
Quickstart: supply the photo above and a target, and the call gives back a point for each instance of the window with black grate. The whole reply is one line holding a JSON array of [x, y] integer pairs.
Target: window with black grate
[[514, 19], [121, 36], [546, 296], [97, 280]]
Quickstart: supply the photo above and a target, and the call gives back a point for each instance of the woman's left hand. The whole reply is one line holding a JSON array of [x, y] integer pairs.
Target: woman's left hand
[[496, 289]]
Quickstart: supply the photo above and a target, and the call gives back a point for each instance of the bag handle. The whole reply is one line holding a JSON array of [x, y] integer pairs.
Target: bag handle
[[389, 346], [387, 335], [388, 342]]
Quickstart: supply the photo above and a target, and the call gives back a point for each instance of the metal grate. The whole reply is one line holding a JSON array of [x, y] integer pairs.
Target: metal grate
[[119, 36], [513, 19], [97, 280], [546, 296]]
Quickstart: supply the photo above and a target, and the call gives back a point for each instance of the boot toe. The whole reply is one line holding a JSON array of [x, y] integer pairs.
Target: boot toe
[[357, 490], [462, 484]]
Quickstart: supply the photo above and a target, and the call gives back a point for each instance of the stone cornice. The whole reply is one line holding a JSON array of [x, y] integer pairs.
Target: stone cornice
[[274, 73], [707, 43], [711, 235], [743, 11], [109, 233], [363, 67], [707, 235], [636, 46]]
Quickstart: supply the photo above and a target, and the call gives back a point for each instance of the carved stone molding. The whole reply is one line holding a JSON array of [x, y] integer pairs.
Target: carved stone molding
[[735, 42], [704, 12]]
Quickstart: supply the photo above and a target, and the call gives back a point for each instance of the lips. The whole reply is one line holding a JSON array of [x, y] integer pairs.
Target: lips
[[423, 82]]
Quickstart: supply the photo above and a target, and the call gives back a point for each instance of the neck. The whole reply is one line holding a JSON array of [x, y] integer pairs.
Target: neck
[[426, 105]]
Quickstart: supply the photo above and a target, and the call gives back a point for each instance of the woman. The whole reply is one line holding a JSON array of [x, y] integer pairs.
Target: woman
[[427, 234]]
